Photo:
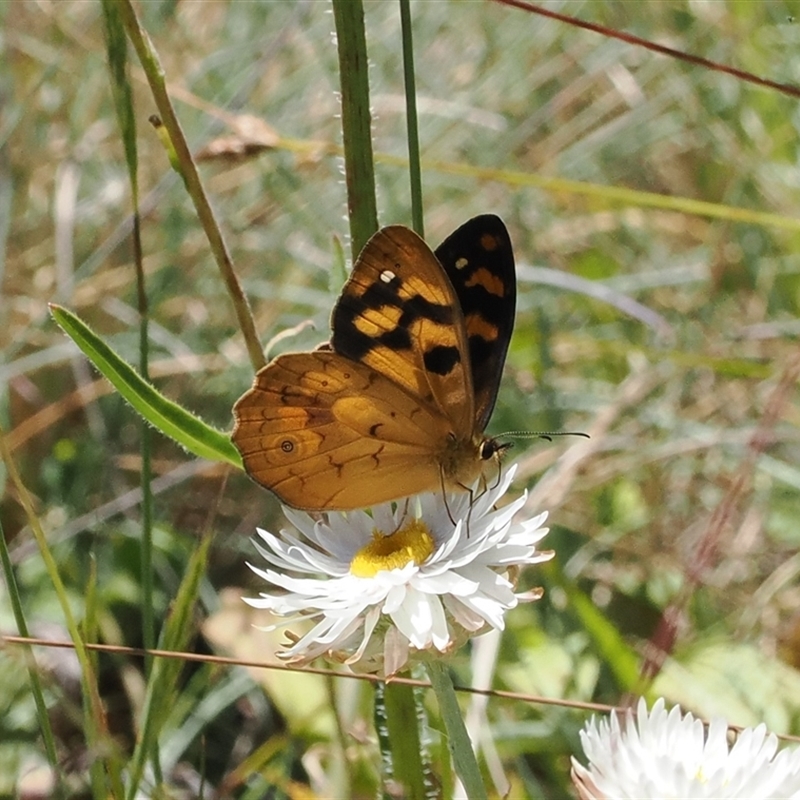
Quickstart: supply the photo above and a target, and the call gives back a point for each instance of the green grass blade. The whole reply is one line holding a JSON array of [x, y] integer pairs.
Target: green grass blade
[[188, 430], [163, 682], [105, 771], [412, 123], [117, 53], [45, 728]]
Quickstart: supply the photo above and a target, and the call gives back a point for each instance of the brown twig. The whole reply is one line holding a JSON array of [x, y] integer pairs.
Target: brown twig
[[612, 33], [204, 658]]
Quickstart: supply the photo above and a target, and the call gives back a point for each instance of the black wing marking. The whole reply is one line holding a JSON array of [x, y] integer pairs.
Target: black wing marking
[[479, 260]]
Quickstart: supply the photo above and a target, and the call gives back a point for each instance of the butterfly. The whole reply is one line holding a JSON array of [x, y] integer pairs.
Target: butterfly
[[397, 402]]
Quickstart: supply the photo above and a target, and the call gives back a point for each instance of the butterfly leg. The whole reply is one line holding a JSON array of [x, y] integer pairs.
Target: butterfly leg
[[444, 496], [471, 493], [401, 517], [499, 478], [471, 501], [485, 486]]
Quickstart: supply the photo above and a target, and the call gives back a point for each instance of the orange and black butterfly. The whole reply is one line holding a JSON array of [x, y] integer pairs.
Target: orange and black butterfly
[[397, 402]]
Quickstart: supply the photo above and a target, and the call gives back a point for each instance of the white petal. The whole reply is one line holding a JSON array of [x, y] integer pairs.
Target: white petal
[[465, 617], [383, 518], [395, 598], [440, 633], [288, 552], [395, 651], [491, 611], [491, 584], [370, 621], [302, 521], [414, 619], [448, 582]]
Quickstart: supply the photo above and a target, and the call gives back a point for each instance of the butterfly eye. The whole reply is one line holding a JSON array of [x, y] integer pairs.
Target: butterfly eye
[[491, 447], [488, 449]]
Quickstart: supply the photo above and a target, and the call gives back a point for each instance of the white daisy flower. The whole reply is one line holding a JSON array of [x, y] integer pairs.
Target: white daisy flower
[[404, 579], [668, 755]]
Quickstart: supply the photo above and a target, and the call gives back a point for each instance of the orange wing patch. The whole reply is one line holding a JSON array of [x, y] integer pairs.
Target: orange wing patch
[[321, 431]]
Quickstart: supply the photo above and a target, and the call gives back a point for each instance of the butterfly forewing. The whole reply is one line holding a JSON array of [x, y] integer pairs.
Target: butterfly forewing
[[400, 315], [479, 261]]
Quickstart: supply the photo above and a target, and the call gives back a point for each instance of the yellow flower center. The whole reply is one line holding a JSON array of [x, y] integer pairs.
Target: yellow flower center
[[412, 543]]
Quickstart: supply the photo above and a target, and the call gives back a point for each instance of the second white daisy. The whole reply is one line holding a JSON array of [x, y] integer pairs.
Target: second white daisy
[[663, 755]]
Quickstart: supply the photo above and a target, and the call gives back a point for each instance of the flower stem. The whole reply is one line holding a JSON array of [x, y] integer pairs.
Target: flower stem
[[362, 207], [404, 738], [464, 761]]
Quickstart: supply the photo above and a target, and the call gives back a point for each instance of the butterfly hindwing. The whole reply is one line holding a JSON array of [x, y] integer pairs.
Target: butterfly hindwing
[[479, 260], [398, 313], [321, 430]]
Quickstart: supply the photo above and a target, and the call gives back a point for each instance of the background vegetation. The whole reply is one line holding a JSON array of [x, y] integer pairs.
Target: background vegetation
[[669, 335]]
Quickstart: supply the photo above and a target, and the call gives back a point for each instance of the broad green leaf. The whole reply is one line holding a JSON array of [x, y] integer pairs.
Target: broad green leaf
[[172, 420]]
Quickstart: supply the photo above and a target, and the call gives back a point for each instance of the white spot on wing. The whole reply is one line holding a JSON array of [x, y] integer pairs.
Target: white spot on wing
[[462, 262], [387, 276]]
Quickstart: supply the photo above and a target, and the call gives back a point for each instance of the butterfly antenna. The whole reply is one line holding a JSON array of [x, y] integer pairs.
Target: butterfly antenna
[[541, 434]]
